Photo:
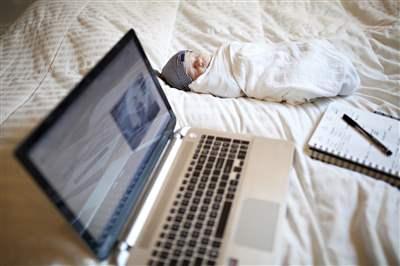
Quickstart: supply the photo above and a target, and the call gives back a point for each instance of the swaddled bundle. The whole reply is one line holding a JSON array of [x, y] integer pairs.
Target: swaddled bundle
[[293, 72]]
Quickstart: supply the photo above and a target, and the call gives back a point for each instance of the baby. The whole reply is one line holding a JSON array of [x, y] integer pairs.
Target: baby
[[293, 72]]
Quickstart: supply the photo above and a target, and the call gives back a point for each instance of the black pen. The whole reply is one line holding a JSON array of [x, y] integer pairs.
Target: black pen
[[374, 141]]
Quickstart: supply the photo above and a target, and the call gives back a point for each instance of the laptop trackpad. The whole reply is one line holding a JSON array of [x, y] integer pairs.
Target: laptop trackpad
[[257, 224]]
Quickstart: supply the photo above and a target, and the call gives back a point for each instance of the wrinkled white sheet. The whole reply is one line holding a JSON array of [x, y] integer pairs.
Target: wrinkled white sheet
[[334, 216], [292, 72]]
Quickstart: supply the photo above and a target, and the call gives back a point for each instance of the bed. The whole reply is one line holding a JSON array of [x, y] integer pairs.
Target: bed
[[334, 215]]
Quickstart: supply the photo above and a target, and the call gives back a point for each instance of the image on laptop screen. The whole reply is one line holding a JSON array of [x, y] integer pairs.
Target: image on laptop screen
[[97, 149]]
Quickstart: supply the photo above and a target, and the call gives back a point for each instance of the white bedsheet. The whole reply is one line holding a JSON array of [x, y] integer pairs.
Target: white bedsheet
[[334, 215]]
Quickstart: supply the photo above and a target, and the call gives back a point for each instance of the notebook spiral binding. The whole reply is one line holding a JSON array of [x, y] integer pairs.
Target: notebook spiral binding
[[354, 164]]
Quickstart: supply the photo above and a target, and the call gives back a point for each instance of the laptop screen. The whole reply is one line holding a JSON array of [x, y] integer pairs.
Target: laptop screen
[[97, 155]]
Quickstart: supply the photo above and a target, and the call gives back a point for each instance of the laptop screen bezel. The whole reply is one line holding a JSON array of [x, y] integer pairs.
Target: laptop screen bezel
[[103, 248]]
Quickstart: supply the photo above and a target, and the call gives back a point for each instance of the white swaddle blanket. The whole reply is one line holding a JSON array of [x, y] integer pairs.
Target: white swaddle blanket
[[295, 72]]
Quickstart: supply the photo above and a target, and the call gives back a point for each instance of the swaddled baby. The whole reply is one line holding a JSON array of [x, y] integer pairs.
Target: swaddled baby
[[293, 72]]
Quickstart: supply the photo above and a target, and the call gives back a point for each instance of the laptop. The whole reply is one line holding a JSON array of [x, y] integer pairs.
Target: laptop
[[138, 190]]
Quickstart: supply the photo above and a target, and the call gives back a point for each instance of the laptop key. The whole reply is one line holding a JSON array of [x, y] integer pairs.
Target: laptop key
[[241, 154], [223, 219], [216, 244], [185, 202], [168, 245], [195, 234], [171, 236], [202, 250], [228, 166], [210, 263], [201, 216], [183, 234], [198, 225], [198, 261], [219, 164], [189, 252], [237, 169], [177, 252], [222, 184], [202, 185], [207, 232], [187, 225], [213, 253], [205, 241], [164, 255], [192, 243]]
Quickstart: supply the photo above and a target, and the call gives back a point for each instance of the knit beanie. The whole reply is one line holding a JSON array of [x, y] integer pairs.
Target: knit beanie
[[174, 74]]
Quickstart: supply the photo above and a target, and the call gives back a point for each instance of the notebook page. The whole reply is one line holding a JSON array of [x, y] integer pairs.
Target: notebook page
[[334, 136]]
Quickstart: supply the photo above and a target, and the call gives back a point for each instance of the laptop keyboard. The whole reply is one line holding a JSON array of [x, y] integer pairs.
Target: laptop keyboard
[[193, 231]]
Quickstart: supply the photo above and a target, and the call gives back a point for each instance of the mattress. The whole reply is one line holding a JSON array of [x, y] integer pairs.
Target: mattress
[[334, 215]]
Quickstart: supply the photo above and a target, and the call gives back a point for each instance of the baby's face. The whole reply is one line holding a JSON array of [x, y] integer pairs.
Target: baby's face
[[196, 64]]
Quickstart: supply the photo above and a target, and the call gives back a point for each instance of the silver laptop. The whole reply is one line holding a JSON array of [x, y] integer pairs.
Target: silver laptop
[[140, 191]]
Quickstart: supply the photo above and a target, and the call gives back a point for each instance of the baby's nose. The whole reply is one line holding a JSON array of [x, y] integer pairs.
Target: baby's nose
[[199, 62]]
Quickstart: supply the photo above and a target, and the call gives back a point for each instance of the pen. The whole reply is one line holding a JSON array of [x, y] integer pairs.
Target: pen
[[374, 141]]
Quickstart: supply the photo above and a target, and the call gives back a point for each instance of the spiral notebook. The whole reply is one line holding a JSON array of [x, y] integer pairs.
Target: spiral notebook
[[335, 142]]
